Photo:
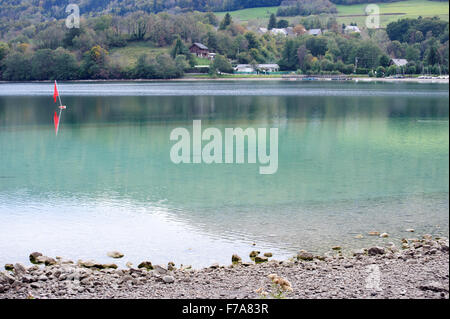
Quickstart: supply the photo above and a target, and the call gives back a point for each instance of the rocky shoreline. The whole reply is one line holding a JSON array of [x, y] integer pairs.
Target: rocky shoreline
[[417, 269]]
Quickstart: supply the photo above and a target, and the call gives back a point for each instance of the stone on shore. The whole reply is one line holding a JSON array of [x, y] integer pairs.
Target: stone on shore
[[254, 253], [162, 270], [107, 266], [20, 269], [9, 267], [384, 235], [6, 278], [359, 236], [34, 256], [376, 250], [115, 254], [359, 252], [168, 279], [434, 286], [410, 230], [373, 233], [235, 259], [304, 255], [336, 248], [261, 259], [268, 255], [146, 264]]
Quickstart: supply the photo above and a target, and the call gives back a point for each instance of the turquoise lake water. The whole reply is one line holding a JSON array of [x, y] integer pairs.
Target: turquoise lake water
[[353, 158]]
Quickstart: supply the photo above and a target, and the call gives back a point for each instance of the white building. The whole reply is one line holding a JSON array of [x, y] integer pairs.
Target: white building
[[265, 68], [315, 32], [399, 62], [289, 31], [352, 29]]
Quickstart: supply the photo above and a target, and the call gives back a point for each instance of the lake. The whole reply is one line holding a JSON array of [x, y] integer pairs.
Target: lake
[[353, 158]]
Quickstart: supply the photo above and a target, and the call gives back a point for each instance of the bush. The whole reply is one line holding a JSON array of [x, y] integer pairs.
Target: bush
[[380, 72]]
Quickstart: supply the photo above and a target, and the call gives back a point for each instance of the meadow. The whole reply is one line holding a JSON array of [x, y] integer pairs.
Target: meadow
[[356, 13]]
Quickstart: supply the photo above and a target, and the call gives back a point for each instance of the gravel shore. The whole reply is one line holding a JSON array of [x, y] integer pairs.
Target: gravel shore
[[418, 269]]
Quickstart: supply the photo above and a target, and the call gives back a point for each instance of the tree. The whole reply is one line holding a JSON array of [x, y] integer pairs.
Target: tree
[[282, 24], [4, 50], [384, 60], [179, 48], [222, 64], [181, 63], [17, 67], [368, 55], [227, 21], [42, 65], [95, 63], [65, 65], [272, 22], [301, 55], [317, 45], [433, 56], [380, 72]]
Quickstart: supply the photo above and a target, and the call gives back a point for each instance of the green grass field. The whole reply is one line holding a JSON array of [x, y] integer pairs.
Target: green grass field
[[250, 14], [128, 56], [356, 13], [395, 11]]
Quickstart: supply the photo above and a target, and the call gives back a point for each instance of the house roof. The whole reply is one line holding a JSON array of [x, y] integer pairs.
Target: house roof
[[400, 62], [263, 30], [353, 28], [278, 31], [315, 31], [201, 46], [268, 66]]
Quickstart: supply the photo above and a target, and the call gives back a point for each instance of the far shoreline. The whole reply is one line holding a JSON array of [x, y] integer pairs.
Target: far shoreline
[[311, 78]]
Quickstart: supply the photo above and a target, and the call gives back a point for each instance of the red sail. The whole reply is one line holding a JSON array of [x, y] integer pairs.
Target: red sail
[[55, 92], [56, 120]]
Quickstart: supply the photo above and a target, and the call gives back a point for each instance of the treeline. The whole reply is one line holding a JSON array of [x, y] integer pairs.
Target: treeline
[[51, 51], [41, 10], [306, 8]]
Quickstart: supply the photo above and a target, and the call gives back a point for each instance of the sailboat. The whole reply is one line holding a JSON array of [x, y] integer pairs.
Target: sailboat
[[56, 117]]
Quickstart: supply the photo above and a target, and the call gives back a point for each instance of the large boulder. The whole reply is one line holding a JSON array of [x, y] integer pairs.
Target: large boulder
[[376, 250], [6, 279], [19, 269], [235, 259], [304, 255], [34, 256], [146, 264], [261, 259]]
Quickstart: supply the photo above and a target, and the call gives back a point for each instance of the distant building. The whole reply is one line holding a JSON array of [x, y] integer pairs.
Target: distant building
[[199, 50], [289, 31], [211, 56], [244, 68], [352, 29], [268, 68], [399, 62], [315, 32], [262, 30], [264, 68]]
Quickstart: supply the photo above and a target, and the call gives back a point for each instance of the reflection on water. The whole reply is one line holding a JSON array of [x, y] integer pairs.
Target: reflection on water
[[349, 162]]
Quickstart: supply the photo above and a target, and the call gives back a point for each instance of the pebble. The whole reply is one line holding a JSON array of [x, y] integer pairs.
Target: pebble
[[115, 254], [168, 279]]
